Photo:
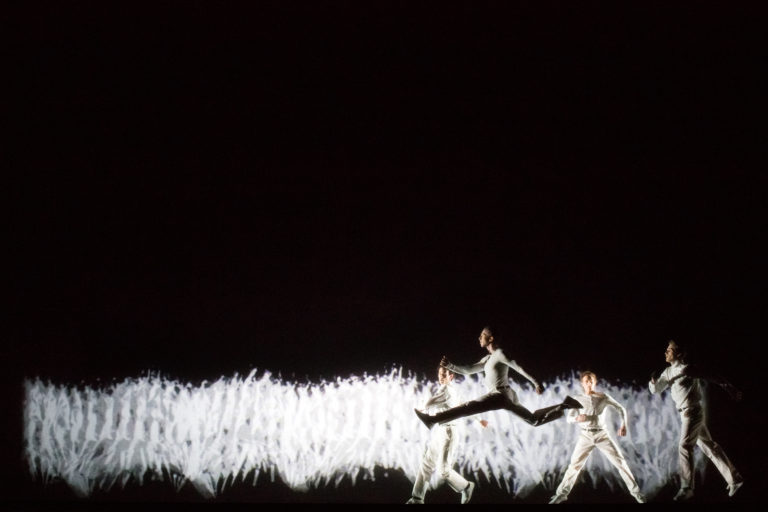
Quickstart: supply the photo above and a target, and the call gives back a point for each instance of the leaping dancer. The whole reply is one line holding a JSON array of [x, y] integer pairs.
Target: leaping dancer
[[500, 395]]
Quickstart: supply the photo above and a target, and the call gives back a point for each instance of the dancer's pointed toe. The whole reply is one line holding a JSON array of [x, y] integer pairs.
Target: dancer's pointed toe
[[571, 403], [425, 418]]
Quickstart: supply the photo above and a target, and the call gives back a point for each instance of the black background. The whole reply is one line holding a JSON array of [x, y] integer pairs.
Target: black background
[[323, 189]]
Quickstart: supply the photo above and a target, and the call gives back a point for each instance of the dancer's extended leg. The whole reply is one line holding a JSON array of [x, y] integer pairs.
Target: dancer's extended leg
[[505, 399]]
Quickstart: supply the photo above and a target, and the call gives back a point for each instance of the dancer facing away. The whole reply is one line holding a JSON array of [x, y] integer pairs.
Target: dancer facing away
[[500, 395], [440, 452], [682, 379], [594, 435]]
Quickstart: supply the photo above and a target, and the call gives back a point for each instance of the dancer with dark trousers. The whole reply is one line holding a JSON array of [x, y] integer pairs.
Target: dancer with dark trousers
[[500, 395]]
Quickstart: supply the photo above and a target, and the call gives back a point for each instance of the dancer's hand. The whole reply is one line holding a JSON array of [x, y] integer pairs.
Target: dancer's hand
[[623, 430], [484, 423], [444, 362], [539, 389], [733, 392], [581, 417]]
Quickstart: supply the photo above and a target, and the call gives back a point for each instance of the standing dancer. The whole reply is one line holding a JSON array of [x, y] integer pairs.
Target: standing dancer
[[594, 435], [500, 395], [682, 379], [440, 452]]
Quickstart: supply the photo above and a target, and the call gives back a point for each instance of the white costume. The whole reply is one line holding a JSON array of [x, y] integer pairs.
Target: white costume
[[593, 434], [693, 430], [496, 367], [440, 451]]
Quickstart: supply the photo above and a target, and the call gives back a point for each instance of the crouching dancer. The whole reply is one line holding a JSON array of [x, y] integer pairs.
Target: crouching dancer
[[593, 434], [500, 395]]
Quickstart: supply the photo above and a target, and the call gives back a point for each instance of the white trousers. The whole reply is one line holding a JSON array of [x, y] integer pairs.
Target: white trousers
[[694, 431], [439, 455], [587, 442]]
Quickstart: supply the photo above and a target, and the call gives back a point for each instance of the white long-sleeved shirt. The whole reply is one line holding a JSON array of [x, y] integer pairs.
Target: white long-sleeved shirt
[[594, 407], [444, 398], [496, 367], [684, 389]]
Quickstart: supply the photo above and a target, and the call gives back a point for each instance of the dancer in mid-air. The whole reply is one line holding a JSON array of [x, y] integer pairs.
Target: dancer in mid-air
[[593, 434], [682, 380], [440, 453], [500, 395]]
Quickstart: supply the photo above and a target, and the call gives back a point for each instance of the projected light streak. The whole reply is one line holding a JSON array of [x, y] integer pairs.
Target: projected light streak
[[315, 434]]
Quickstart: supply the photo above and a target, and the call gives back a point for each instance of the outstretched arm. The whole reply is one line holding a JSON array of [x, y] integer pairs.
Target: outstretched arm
[[698, 372], [519, 369], [464, 370]]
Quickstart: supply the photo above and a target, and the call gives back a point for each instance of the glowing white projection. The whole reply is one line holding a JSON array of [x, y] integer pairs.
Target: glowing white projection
[[315, 434]]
